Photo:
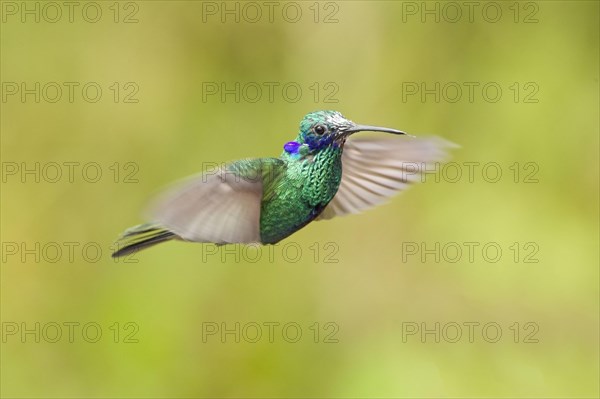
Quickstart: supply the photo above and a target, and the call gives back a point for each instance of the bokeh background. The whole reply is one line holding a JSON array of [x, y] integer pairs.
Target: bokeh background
[[363, 56]]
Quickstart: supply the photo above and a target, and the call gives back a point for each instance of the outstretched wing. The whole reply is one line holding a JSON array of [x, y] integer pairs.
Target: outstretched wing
[[375, 169], [221, 206]]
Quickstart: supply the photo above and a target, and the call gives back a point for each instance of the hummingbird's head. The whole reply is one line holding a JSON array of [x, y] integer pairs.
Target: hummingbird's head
[[322, 129]]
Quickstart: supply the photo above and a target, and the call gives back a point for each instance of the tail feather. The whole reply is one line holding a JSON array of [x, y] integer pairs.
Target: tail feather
[[140, 237]]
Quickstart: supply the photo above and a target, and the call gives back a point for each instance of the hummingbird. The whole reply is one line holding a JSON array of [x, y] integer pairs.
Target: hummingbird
[[322, 174]]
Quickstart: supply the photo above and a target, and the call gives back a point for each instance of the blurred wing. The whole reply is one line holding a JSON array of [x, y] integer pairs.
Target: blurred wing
[[373, 170], [219, 207]]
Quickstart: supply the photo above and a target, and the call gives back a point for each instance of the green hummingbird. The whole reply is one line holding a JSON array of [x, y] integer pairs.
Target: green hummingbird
[[319, 175]]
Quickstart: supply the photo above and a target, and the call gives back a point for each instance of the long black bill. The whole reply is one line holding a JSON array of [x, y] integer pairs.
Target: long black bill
[[363, 128]]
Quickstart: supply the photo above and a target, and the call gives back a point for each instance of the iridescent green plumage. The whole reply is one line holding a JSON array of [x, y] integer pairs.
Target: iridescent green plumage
[[318, 176], [299, 193]]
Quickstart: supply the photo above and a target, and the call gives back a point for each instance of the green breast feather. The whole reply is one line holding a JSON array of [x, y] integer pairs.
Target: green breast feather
[[298, 194]]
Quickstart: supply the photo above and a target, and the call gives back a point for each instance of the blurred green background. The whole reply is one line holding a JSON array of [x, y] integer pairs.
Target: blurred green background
[[376, 290]]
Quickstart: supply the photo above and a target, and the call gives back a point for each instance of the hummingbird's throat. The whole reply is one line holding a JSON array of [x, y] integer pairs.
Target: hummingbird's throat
[[299, 150], [296, 150], [291, 147]]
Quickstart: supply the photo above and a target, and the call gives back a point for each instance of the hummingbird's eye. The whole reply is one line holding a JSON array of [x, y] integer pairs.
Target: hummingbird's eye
[[320, 129]]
